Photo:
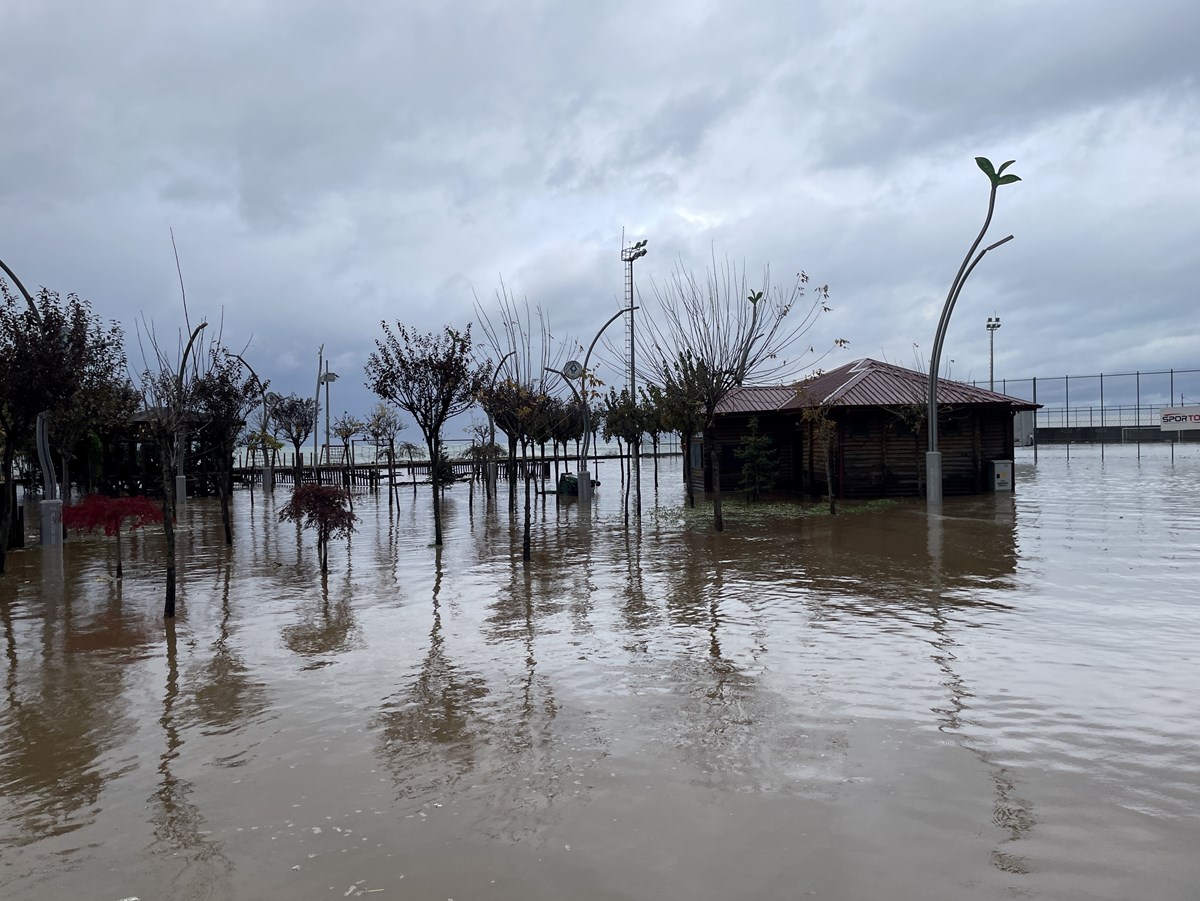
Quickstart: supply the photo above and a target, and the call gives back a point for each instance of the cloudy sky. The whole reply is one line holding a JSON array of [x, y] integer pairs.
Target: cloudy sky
[[325, 166]]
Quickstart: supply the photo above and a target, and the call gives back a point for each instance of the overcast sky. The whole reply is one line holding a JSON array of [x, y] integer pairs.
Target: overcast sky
[[325, 166]]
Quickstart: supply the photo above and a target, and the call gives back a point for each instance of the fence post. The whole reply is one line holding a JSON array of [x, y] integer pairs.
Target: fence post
[[1102, 416], [1170, 401], [1067, 411], [1035, 419], [1138, 430]]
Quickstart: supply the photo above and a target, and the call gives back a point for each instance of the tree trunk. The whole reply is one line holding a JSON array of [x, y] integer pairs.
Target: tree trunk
[[296, 465], [437, 500], [628, 484], [654, 442], [168, 507], [714, 457], [525, 542], [689, 491], [829, 468], [224, 480], [391, 467], [8, 500], [512, 475], [636, 463]]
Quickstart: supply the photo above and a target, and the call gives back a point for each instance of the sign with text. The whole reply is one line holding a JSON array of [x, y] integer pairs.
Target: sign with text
[[1176, 419]]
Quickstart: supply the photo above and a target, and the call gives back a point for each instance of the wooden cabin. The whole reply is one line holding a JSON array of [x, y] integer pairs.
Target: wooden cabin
[[870, 418]]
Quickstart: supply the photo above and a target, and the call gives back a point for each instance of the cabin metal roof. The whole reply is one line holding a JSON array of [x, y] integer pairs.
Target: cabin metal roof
[[863, 383]]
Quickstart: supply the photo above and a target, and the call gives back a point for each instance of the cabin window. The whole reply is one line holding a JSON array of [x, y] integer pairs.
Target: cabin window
[[858, 428], [697, 450]]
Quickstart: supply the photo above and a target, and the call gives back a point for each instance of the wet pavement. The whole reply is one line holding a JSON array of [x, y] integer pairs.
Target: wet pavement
[[998, 702]]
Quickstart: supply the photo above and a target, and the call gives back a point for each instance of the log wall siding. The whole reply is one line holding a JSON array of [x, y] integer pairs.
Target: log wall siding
[[874, 455]]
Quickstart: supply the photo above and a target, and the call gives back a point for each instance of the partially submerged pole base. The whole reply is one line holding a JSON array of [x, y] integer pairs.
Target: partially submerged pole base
[[933, 478], [585, 486], [180, 495], [50, 519]]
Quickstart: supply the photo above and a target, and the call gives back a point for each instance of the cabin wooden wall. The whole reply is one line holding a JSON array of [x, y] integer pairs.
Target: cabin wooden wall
[[874, 454]]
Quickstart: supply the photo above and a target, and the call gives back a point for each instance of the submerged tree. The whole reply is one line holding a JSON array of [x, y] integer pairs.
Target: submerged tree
[[50, 349], [624, 419], [431, 376], [346, 427], [760, 462], [224, 394], [718, 333], [167, 399], [112, 514], [383, 425], [325, 510], [295, 417], [680, 410], [823, 433]]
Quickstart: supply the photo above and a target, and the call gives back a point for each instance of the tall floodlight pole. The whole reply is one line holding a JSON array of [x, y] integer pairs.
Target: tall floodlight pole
[[317, 410], [993, 323], [326, 378], [933, 457], [628, 256]]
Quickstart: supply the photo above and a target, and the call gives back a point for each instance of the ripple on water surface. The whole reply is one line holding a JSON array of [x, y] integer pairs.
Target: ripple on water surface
[[995, 701]]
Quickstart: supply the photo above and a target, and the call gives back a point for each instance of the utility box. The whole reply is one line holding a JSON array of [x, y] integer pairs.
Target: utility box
[[1000, 475]]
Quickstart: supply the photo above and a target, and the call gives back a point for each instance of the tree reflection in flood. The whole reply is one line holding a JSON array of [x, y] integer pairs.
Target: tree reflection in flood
[[427, 730], [995, 702]]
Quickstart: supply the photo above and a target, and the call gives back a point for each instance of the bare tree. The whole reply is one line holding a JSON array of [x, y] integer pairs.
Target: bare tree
[[167, 396], [383, 425], [431, 376], [296, 417], [530, 356], [716, 333], [224, 393]]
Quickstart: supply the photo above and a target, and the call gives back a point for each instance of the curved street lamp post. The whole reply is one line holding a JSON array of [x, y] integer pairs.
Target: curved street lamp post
[[933, 457]]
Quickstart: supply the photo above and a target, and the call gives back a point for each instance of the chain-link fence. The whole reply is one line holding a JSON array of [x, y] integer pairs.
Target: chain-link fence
[[1122, 399]]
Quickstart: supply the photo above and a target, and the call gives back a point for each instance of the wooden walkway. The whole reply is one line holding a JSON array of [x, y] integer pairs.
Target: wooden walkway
[[368, 475]]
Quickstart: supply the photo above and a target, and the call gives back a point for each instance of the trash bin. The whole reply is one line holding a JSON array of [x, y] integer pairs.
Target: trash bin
[[1001, 475]]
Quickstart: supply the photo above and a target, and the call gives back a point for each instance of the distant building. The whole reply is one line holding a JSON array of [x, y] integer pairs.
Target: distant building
[[878, 438]]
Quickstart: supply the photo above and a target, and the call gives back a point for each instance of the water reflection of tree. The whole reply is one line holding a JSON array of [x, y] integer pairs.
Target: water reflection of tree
[[427, 731], [522, 725], [727, 723], [64, 715], [225, 698], [178, 823], [325, 628], [636, 611]]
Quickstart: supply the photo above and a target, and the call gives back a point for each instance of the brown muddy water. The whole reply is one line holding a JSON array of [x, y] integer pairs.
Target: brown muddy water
[[1000, 702]]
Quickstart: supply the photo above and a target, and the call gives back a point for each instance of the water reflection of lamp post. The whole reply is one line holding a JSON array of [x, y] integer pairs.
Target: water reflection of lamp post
[[993, 323]]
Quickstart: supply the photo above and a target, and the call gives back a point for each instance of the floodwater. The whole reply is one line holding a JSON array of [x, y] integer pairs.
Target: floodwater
[[999, 702]]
